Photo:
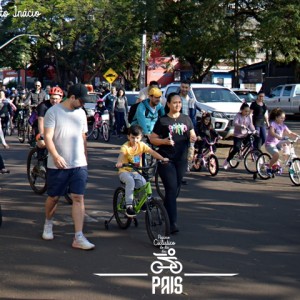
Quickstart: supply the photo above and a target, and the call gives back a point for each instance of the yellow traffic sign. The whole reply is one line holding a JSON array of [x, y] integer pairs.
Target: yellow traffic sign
[[110, 75]]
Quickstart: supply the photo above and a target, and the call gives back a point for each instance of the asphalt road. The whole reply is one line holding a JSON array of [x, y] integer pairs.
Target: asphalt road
[[229, 225]]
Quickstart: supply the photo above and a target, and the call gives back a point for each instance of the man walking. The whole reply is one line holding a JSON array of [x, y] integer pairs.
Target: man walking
[[65, 125]]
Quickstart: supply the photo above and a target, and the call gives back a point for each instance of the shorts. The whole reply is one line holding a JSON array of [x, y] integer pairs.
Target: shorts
[[272, 149], [61, 181]]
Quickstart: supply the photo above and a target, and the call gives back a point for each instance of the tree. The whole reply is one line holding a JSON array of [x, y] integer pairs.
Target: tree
[[80, 37]]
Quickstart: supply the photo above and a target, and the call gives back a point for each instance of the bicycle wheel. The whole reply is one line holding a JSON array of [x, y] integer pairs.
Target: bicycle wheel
[[95, 132], [119, 207], [105, 132], [21, 133], [91, 127], [250, 160], [262, 164], [233, 162], [157, 220], [36, 172], [213, 165], [294, 171]]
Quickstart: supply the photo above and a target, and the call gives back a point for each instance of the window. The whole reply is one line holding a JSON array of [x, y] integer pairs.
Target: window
[[276, 92], [287, 91]]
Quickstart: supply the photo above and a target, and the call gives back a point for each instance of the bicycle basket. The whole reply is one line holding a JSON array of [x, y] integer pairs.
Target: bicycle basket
[[105, 117]]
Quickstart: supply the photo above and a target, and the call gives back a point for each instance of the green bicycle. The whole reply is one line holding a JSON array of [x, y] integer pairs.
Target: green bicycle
[[156, 216]]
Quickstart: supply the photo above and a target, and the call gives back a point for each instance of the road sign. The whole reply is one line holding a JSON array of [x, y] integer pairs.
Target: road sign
[[110, 75]]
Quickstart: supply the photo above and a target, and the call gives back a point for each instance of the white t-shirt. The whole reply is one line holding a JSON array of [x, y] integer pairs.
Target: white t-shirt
[[68, 128]]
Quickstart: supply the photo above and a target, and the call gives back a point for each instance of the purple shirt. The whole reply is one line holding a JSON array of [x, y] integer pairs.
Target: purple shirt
[[279, 130], [240, 120]]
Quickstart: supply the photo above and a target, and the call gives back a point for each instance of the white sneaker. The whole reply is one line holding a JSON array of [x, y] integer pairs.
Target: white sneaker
[[48, 233], [82, 243], [225, 164]]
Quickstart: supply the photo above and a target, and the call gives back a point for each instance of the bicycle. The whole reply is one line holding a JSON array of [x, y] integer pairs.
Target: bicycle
[[100, 127], [156, 216], [292, 162], [37, 172], [248, 154], [22, 123], [207, 158]]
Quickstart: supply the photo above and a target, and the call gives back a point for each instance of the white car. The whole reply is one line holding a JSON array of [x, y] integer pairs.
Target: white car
[[220, 102]]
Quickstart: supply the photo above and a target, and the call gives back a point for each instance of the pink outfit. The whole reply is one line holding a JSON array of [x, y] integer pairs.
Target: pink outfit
[[239, 120]]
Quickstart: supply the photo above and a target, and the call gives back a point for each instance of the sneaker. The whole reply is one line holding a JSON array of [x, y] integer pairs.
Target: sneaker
[[82, 243], [269, 172], [48, 233], [130, 213], [225, 164]]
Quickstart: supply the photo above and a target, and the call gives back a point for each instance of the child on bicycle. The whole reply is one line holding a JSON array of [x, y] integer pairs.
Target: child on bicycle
[[206, 133], [99, 110], [277, 135], [242, 124], [131, 152]]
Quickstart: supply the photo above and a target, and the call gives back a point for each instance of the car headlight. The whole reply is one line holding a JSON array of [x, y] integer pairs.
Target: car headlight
[[218, 114]]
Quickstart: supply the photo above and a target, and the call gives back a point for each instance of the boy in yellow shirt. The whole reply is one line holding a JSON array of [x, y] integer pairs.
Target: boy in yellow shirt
[[131, 152]]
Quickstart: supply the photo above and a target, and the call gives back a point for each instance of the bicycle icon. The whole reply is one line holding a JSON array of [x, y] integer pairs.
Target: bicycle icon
[[174, 266]]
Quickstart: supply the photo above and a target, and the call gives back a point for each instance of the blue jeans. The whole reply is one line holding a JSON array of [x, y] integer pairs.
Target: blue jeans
[[261, 138], [120, 121]]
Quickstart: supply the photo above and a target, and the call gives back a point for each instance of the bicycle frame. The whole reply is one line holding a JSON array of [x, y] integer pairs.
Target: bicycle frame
[[208, 151]]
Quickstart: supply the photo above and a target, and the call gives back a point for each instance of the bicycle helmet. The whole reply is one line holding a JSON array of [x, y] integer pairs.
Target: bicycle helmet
[[56, 91], [100, 100]]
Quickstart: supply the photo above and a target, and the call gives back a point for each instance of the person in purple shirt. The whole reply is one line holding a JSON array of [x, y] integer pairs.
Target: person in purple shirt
[[276, 137], [241, 123]]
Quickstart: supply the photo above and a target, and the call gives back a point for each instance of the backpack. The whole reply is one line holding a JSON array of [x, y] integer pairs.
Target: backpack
[[133, 109]]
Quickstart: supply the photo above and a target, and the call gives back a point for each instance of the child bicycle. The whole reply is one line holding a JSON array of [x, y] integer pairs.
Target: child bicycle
[[207, 158], [100, 127], [156, 216], [292, 162], [247, 153]]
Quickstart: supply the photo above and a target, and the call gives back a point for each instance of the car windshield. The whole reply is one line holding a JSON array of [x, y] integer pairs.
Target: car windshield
[[206, 95], [92, 98]]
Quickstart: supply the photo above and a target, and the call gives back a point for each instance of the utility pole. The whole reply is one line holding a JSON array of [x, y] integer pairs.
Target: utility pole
[[143, 63], [17, 36]]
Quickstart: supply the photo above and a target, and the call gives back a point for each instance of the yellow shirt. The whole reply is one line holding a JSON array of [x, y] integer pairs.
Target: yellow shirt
[[132, 155]]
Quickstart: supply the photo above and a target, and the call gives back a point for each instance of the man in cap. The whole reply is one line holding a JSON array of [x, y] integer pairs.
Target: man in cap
[[148, 111], [65, 127]]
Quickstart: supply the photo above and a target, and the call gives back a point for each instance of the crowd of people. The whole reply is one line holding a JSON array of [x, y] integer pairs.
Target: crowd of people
[[172, 129]]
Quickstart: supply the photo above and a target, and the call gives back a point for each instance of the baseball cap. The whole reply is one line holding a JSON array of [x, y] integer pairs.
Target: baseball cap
[[79, 91], [156, 92]]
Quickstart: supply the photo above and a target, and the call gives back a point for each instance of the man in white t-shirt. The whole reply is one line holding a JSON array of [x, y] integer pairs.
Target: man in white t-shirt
[[65, 127]]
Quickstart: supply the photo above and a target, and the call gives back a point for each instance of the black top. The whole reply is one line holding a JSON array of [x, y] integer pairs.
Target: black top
[[207, 131], [179, 130], [258, 116], [43, 107]]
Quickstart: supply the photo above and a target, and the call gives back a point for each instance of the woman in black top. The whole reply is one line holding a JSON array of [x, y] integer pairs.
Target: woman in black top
[[173, 133], [260, 119]]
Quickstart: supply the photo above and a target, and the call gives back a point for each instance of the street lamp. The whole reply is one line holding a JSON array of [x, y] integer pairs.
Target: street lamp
[[17, 36]]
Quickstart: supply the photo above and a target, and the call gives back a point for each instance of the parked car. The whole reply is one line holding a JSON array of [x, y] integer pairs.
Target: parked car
[[286, 97], [221, 102], [89, 105], [245, 94]]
